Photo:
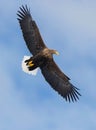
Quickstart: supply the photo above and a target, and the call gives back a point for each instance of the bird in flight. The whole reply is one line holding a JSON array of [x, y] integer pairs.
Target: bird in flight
[[42, 57]]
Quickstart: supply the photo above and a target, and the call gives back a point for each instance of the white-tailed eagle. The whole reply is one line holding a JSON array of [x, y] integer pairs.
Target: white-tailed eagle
[[43, 57]]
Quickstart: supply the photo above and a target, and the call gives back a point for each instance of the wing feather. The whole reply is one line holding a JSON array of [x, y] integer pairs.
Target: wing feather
[[60, 82], [30, 31]]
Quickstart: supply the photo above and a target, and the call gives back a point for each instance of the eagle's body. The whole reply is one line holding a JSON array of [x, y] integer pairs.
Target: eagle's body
[[43, 57]]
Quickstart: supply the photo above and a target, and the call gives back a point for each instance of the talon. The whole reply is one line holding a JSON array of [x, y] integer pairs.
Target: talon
[[30, 64]]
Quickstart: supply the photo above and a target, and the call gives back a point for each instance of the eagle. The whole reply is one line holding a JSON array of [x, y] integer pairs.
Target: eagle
[[42, 57]]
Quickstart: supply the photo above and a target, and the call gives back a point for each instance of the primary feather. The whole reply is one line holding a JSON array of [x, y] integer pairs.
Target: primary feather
[[43, 57], [30, 31], [60, 82]]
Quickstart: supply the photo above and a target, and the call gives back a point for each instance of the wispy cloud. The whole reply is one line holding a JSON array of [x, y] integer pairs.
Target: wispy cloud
[[68, 26]]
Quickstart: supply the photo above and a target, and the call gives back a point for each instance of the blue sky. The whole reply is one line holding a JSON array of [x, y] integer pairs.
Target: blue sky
[[28, 102]]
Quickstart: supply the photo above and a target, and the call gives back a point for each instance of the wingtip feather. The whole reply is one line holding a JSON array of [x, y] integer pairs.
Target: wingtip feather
[[23, 12], [72, 95]]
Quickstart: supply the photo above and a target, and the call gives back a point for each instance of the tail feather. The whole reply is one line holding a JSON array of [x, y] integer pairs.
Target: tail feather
[[25, 67]]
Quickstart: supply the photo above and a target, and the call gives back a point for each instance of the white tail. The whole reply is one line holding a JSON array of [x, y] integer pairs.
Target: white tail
[[25, 68]]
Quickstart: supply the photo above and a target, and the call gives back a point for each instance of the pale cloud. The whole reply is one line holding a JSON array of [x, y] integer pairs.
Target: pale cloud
[[26, 104]]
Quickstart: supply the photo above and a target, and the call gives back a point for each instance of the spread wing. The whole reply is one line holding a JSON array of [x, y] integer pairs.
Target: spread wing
[[30, 31], [59, 81]]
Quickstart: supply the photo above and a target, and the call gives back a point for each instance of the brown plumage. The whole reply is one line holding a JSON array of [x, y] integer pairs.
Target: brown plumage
[[43, 57]]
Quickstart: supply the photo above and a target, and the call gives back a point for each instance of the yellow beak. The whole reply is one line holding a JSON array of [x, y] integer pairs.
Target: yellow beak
[[56, 52]]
